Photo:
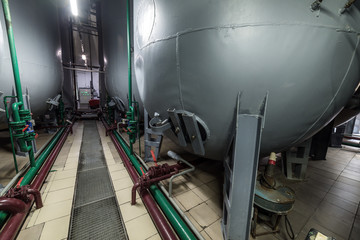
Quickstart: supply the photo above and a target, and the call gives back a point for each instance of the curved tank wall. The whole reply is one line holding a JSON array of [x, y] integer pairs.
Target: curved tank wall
[[36, 32], [114, 34], [198, 55]]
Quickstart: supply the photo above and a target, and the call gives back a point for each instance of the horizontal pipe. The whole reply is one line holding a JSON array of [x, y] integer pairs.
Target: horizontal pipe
[[15, 179], [12, 205], [160, 221], [14, 223], [176, 221]]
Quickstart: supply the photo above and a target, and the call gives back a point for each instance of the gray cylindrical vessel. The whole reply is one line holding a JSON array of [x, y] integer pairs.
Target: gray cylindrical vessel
[[36, 32], [198, 55]]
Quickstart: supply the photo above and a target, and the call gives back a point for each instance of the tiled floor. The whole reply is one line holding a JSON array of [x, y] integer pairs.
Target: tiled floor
[[7, 163], [327, 200]]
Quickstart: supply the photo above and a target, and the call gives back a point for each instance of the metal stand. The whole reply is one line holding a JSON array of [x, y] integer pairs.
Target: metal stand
[[274, 227], [240, 173], [150, 141], [296, 161]]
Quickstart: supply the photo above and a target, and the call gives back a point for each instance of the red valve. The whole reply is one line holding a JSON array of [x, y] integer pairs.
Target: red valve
[[18, 184], [27, 126], [153, 156], [142, 171]]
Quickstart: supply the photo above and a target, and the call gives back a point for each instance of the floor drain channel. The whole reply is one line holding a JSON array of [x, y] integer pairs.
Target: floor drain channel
[[95, 213]]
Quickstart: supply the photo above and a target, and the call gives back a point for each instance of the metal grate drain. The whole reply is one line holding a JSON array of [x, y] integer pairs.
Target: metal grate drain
[[95, 213], [93, 185], [100, 220]]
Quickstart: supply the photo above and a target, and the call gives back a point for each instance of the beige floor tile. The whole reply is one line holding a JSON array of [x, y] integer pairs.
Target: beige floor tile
[[32, 233], [147, 228], [214, 230], [204, 192], [204, 215], [56, 229], [188, 199], [215, 203], [192, 220], [122, 184], [130, 212], [65, 174], [61, 184], [155, 237], [34, 215], [54, 211], [72, 160], [70, 166], [206, 236], [204, 176], [60, 195], [116, 167], [119, 175], [124, 195]]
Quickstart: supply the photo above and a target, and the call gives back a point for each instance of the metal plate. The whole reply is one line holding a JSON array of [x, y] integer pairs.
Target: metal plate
[[92, 185], [100, 220], [95, 213]]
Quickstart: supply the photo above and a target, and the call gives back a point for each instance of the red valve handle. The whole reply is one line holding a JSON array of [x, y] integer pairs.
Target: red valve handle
[[27, 126], [18, 184], [153, 156]]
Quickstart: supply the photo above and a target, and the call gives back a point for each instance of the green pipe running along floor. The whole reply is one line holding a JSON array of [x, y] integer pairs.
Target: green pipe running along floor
[[95, 213]]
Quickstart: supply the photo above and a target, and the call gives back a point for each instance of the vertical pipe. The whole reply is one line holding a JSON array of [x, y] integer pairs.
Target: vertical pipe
[[129, 52], [14, 61]]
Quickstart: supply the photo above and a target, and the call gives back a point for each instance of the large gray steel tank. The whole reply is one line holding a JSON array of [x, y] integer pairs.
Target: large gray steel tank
[[198, 55], [114, 36], [36, 32]]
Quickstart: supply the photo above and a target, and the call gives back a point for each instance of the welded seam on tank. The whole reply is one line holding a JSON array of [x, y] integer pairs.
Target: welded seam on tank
[[337, 92], [178, 72], [236, 26]]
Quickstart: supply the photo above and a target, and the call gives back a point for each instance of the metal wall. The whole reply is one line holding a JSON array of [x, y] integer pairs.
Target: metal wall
[[198, 55], [36, 30]]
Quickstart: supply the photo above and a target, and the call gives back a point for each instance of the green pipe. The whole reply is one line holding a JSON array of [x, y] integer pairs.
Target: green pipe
[[29, 176], [174, 218], [14, 61], [129, 52], [10, 132]]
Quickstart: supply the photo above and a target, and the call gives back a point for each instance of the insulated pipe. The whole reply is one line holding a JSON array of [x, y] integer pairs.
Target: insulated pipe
[[176, 221], [12, 205], [13, 225], [160, 221]]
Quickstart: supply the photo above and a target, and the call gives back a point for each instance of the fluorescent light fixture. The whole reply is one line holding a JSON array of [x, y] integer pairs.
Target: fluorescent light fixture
[[74, 8], [83, 57]]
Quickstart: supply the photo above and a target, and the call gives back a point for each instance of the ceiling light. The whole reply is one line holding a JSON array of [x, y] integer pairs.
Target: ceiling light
[[74, 8]]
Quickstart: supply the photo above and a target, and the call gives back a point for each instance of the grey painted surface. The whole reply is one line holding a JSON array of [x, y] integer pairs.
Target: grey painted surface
[[197, 55], [115, 50], [35, 24]]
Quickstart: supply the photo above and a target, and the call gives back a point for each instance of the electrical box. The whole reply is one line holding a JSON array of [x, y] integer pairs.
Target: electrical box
[[84, 95]]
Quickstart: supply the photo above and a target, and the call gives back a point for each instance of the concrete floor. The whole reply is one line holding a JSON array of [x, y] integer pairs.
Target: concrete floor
[[328, 200]]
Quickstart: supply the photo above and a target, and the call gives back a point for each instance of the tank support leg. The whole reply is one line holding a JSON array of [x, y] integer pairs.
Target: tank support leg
[[240, 173], [150, 140]]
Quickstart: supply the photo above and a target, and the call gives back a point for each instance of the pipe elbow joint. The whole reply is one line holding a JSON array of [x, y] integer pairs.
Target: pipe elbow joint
[[37, 196]]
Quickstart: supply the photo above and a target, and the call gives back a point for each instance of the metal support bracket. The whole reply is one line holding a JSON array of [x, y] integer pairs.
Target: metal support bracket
[[177, 125], [193, 131], [150, 141], [241, 171], [298, 159]]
